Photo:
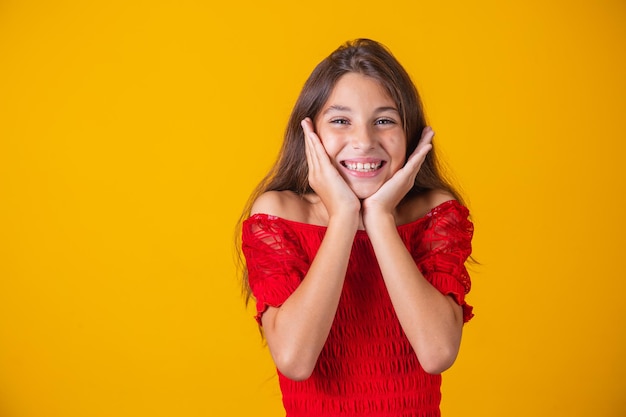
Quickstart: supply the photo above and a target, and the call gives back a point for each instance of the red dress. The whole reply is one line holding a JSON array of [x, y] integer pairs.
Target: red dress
[[367, 366]]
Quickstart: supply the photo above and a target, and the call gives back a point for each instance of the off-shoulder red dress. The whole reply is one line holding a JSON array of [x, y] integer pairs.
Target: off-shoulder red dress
[[367, 366]]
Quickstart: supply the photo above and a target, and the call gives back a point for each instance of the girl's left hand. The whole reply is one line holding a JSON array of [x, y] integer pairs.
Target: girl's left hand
[[393, 191]]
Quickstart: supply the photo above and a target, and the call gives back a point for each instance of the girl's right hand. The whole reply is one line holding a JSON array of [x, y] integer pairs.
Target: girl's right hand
[[324, 178]]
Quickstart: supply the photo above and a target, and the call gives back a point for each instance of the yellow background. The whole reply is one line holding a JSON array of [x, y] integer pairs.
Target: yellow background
[[131, 134]]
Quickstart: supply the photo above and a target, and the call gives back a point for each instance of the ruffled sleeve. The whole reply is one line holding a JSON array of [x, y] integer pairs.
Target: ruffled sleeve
[[276, 262], [442, 248]]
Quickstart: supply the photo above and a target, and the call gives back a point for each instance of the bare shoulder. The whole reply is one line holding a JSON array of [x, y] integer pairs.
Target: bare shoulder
[[285, 204], [435, 198], [419, 205]]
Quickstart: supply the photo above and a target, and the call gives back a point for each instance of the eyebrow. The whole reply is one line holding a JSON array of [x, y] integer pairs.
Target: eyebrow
[[340, 108], [337, 107]]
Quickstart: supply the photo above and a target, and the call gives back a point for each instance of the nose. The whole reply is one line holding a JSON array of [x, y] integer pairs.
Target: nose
[[363, 138]]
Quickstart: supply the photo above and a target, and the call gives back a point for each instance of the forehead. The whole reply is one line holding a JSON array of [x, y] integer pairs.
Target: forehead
[[359, 89]]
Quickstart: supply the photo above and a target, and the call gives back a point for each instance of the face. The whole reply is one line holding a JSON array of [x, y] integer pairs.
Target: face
[[361, 129]]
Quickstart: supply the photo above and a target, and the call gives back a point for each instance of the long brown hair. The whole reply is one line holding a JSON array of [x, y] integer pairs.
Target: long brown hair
[[369, 58]]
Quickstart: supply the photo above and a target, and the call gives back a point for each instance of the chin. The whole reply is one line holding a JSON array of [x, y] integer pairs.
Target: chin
[[364, 192]]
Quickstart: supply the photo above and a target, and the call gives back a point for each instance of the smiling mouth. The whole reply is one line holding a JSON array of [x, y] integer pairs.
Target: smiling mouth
[[363, 167]]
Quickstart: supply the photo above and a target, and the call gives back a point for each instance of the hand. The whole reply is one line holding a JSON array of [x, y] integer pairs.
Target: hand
[[393, 190], [324, 178]]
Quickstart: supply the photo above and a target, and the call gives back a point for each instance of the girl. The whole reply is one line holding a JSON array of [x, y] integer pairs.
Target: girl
[[355, 246]]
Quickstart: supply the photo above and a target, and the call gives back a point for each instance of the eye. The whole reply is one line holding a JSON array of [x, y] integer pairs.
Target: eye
[[340, 121], [384, 121]]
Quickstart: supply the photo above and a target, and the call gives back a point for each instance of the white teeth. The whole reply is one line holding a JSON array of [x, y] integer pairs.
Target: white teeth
[[363, 167]]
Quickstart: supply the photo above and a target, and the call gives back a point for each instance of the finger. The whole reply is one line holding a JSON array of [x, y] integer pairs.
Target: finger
[[308, 147], [417, 158], [426, 138], [423, 147], [307, 144], [318, 152], [307, 126], [309, 131]]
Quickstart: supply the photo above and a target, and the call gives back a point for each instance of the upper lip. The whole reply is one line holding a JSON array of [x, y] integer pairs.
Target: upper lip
[[362, 161]]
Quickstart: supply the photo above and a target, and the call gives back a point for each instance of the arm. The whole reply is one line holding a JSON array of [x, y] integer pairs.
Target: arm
[[297, 331], [431, 321]]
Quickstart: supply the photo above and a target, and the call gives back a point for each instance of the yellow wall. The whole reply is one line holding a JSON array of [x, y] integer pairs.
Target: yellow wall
[[131, 134]]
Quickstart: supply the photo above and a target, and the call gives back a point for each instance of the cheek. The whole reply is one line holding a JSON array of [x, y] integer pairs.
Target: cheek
[[330, 142], [396, 165], [397, 151]]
